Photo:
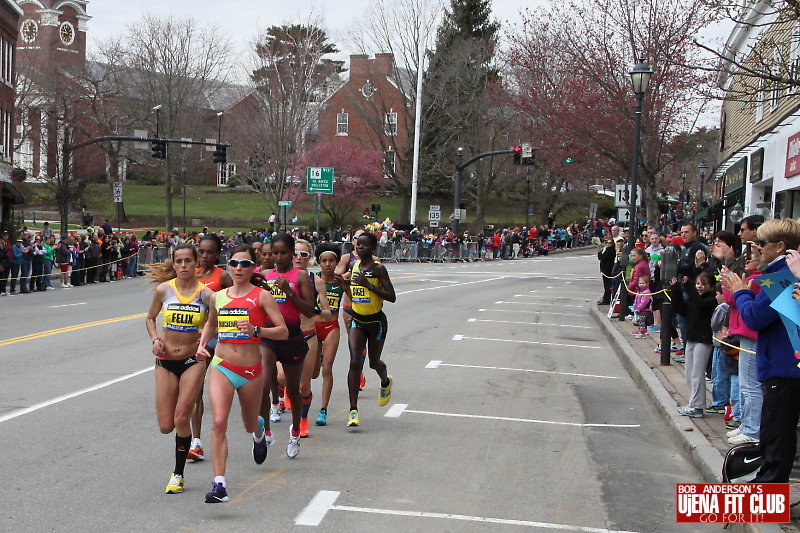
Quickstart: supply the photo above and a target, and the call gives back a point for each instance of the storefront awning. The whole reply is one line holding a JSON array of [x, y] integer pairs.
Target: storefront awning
[[10, 194], [712, 211]]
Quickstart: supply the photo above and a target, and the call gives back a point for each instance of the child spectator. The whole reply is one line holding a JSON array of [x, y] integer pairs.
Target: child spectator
[[720, 377], [698, 310], [641, 306]]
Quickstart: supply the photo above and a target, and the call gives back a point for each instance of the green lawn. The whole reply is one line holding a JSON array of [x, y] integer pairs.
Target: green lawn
[[206, 201]]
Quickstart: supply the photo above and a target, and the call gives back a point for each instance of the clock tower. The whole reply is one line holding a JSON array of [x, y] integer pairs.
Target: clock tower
[[52, 33]]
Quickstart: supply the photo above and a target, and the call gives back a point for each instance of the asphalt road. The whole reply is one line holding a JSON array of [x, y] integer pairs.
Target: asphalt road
[[509, 411]]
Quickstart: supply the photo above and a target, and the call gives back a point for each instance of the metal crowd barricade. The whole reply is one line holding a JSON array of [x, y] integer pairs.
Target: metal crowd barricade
[[469, 252], [439, 254], [405, 251]]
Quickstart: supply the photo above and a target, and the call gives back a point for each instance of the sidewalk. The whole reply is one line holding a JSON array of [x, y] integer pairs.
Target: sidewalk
[[703, 440]]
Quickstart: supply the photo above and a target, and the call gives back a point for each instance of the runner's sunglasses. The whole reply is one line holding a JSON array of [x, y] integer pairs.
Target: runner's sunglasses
[[244, 263], [303, 254]]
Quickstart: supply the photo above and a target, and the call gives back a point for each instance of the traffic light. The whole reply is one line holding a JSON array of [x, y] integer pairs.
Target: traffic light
[[159, 149], [221, 154], [518, 155]]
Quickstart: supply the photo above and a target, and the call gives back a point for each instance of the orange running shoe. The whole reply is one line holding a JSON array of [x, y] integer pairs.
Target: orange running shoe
[[195, 453], [287, 403], [304, 428], [363, 382]]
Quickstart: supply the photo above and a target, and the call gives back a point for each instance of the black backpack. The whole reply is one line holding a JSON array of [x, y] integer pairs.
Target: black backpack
[[741, 463]]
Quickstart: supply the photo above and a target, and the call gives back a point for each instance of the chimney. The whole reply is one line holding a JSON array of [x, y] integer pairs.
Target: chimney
[[359, 68], [384, 63]]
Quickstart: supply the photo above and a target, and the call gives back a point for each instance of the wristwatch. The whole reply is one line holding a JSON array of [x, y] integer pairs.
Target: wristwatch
[[256, 331]]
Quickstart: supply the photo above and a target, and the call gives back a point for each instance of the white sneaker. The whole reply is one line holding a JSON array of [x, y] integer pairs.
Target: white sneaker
[[741, 438], [49, 289], [68, 286], [293, 448], [732, 433], [270, 438], [274, 414]]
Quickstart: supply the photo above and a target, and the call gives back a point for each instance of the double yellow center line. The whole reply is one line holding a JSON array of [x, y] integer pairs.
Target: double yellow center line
[[42, 334]]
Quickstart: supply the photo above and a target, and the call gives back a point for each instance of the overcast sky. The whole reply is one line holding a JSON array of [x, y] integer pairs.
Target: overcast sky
[[242, 18]]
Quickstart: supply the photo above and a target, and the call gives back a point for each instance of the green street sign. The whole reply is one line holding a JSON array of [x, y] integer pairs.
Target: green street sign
[[319, 180], [285, 202]]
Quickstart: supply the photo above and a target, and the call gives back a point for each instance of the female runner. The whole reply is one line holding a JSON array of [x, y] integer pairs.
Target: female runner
[[311, 365], [184, 303], [216, 279], [328, 256], [235, 318], [368, 287], [272, 388], [292, 292], [345, 269]]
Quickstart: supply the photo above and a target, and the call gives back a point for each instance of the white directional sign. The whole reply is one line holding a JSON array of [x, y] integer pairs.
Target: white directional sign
[[117, 192], [527, 150], [622, 196], [434, 223], [460, 214]]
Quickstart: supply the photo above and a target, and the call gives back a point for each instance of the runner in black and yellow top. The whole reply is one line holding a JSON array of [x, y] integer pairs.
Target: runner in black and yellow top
[[328, 333], [368, 287], [183, 301]]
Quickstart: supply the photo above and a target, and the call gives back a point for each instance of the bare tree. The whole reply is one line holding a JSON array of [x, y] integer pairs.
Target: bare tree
[[403, 28], [177, 64], [292, 74]]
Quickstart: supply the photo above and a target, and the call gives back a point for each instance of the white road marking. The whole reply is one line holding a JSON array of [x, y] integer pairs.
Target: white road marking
[[531, 323], [529, 312], [324, 501], [453, 285], [462, 337], [566, 296], [542, 304], [396, 410], [317, 508], [65, 305], [527, 420], [60, 399], [437, 364]]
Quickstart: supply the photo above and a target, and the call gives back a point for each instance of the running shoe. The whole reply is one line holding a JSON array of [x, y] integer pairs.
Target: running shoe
[[728, 416], [293, 448], [268, 438], [175, 485], [218, 493], [691, 412], [195, 452], [733, 433], [282, 406], [304, 428], [732, 424], [260, 448], [275, 414], [676, 347], [362, 382], [322, 417], [741, 438], [352, 420], [287, 403], [386, 393], [654, 329], [715, 410]]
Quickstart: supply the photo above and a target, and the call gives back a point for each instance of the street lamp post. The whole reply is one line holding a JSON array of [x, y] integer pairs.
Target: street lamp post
[[683, 188], [183, 173], [457, 195], [528, 200], [640, 77], [703, 168]]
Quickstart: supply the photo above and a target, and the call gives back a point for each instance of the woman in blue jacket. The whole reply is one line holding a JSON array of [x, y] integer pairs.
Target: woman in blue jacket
[[17, 261], [776, 364]]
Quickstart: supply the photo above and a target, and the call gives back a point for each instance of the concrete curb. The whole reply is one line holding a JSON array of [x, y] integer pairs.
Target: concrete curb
[[700, 452]]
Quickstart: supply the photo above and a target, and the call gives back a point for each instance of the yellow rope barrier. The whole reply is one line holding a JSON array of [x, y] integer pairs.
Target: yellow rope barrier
[[733, 346], [73, 270]]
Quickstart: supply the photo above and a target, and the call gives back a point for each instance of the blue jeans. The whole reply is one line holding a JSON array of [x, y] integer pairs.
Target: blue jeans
[[721, 380], [735, 403], [750, 393], [25, 275], [48, 272], [132, 264]]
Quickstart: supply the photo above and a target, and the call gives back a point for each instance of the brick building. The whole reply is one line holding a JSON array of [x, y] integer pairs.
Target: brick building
[[372, 108], [10, 14]]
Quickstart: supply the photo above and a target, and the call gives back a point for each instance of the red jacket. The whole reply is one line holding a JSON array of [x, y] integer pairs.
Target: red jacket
[[735, 323], [641, 268]]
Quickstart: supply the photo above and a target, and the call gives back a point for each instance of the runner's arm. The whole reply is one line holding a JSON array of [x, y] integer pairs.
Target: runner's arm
[[150, 320], [278, 331], [386, 290]]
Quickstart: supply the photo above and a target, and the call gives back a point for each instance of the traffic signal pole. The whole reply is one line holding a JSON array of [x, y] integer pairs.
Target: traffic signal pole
[[459, 175]]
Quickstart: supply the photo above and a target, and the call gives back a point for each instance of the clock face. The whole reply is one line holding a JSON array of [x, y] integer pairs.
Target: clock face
[[368, 90], [67, 33], [29, 31]]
